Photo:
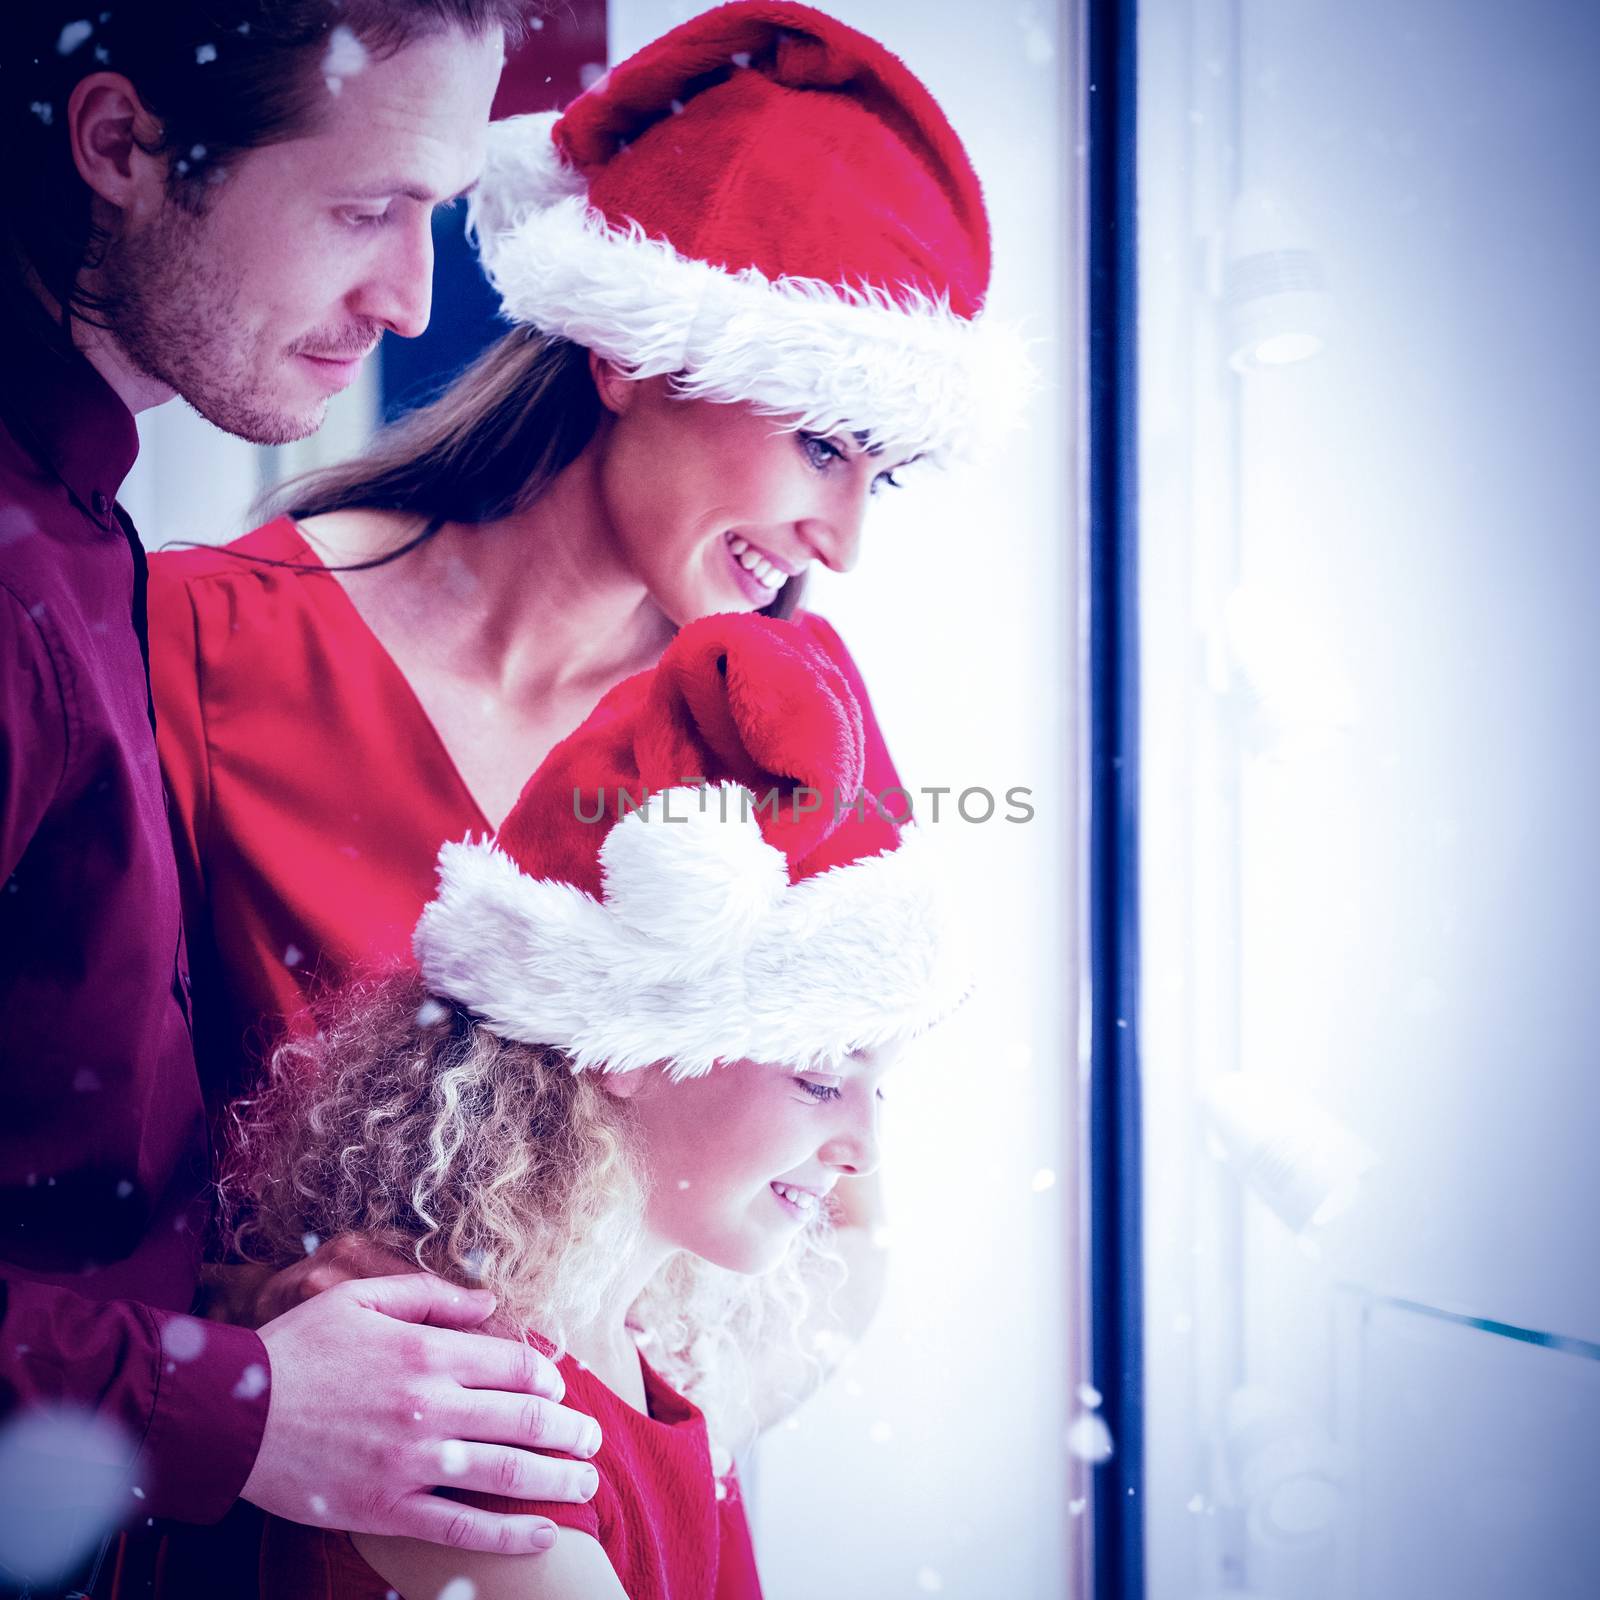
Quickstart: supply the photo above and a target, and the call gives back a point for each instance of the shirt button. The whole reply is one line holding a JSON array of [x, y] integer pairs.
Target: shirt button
[[102, 506]]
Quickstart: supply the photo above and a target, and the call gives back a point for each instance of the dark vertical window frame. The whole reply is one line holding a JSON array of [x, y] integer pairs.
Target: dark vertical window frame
[[1111, 793]]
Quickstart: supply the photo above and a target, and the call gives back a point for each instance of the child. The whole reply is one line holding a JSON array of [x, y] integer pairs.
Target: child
[[645, 1041]]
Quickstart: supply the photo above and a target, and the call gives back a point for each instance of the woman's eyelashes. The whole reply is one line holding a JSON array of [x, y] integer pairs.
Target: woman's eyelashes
[[823, 453]]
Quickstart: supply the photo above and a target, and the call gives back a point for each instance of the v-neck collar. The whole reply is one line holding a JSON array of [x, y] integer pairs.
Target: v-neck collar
[[400, 683]]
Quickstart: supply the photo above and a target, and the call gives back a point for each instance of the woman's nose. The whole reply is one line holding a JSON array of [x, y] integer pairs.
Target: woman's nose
[[835, 538]]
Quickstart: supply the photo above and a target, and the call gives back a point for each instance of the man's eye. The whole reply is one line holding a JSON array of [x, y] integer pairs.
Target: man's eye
[[363, 219]]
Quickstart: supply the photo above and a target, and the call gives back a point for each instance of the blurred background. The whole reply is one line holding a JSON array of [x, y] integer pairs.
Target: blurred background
[[1366, 584]]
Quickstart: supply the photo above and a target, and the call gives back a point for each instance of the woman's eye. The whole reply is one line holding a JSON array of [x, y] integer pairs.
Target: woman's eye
[[819, 1091], [820, 452]]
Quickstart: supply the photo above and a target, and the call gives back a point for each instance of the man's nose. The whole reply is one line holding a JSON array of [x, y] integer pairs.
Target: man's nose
[[398, 294]]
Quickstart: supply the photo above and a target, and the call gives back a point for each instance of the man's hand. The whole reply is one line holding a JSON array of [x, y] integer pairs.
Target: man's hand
[[346, 1256], [378, 1397]]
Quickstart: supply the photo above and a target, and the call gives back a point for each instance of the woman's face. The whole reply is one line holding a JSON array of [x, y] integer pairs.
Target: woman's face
[[714, 506], [741, 1159]]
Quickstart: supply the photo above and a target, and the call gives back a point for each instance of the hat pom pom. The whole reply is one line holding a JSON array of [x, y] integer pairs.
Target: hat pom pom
[[524, 173], [691, 869]]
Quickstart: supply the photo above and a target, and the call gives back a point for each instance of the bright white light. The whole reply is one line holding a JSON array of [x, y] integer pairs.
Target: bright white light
[[63, 1487]]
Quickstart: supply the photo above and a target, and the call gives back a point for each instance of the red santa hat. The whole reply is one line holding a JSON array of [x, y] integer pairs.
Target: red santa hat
[[767, 205], [745, 900]]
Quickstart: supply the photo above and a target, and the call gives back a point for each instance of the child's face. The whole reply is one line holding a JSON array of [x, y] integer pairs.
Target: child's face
[[721, 1149]]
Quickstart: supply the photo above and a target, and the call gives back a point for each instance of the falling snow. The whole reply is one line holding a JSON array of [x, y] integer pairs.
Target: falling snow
[[205, 54], [73, 35], [252, 1382], [929, 1581], [319, 1506], [310, 1242], [452, 1458], [1043, 1179], [183, 1338], [740, 58], [431, 1013], [459, 1589], [591, 74], [85, 1080], [880, 1433], [43, 110], [1089, 1396], [292, 955], [1089, 1439], [124, 1188], [345, 55], [58, 1457]]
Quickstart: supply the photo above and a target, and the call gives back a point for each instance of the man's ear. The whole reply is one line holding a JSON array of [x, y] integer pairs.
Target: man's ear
[[110, 130], [615, 389]]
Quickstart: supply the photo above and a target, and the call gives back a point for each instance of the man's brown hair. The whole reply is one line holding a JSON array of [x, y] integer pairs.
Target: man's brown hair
[[221, 77]]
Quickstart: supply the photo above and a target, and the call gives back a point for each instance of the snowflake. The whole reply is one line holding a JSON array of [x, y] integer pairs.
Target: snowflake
[[252, 1382], [205, 54], [183, 1338], [1089, 1439], [73, 35]]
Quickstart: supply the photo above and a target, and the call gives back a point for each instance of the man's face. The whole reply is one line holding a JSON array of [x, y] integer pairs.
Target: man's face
[[262, 307]]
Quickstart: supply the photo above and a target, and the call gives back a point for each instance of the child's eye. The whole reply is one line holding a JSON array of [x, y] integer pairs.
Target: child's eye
[[819, 1091]]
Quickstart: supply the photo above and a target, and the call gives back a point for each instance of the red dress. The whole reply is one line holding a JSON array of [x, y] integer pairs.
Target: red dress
[[309, 795], [310, 792], [657, 1513]]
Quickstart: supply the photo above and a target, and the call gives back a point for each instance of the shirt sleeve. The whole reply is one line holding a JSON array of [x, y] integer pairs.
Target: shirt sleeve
[[33, 731], [191, 1402], [881, 774]]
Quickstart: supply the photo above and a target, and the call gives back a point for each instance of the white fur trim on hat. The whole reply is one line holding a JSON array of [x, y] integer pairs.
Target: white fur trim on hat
[[702, 950], [912, 375]]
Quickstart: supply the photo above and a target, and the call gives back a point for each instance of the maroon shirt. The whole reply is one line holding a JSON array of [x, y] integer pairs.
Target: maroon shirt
[[104, 1150]]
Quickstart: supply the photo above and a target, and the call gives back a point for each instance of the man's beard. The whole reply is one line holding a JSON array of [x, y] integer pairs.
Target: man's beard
[[174, 310]]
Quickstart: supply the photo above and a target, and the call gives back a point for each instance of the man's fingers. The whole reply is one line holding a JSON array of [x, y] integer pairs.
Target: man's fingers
[[420, 1297], [462, 1527], [517, 1474], [507, 1364], [492, 1418]]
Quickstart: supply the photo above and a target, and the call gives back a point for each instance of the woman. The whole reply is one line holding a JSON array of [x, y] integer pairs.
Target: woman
[[636, 1059], [745, 271]]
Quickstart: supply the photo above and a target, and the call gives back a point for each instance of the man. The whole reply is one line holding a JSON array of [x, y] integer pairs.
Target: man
[[229, 202]]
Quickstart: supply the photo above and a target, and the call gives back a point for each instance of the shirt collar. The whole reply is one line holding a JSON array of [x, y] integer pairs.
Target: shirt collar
[[73, 420]]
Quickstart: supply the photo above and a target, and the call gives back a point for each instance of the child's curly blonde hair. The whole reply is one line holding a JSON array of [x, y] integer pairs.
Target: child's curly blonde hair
[[496, 1166]]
